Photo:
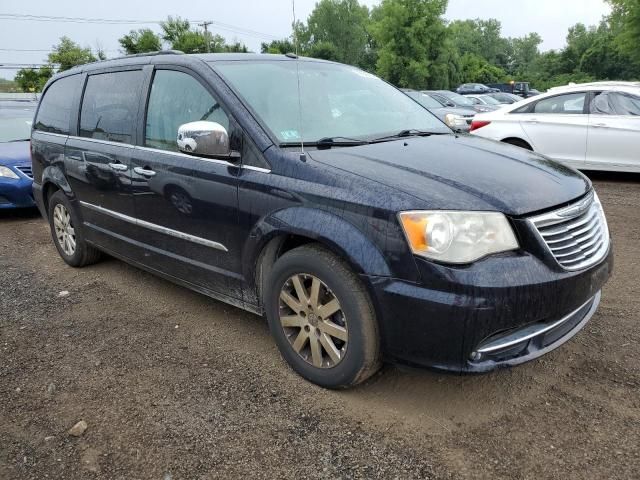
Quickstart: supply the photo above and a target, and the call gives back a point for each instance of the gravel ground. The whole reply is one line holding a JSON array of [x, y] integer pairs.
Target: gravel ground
[[173, 385]]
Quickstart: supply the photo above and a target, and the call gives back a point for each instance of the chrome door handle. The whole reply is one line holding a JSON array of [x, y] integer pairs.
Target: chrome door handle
[[144, 172], [600, 125], [121, 167], [533, 120]]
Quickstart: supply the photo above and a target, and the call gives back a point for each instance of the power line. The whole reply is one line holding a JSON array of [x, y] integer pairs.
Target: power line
[[35, 50], [112, 21]]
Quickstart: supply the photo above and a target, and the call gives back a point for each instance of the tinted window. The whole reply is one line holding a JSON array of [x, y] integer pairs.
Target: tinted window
[[572, 103], [178, 98], [110, 106], [54, 113]]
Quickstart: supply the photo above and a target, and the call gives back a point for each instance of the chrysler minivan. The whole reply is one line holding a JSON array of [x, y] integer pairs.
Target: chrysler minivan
[[321, 197]]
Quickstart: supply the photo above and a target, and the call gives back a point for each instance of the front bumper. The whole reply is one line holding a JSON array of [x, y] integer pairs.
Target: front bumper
[[16, 193], [458, 312]]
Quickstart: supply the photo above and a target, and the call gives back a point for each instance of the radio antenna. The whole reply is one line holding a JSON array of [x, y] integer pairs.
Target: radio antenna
[[296, 42]]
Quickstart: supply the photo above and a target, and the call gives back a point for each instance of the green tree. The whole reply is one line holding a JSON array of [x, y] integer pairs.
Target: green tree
[[411, 39], [475, 68], [179, 34], [337, 30], [33, 80], [69, 54], [526, 50], [278, 46], [140, 41], [482, 38], [579, 39], [8, 86], [626, 15]]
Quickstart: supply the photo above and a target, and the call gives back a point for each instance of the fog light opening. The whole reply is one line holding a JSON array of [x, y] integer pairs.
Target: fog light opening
[[476, 356]]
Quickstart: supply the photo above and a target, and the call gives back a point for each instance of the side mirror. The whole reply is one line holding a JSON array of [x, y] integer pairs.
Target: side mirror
[[209, 139]]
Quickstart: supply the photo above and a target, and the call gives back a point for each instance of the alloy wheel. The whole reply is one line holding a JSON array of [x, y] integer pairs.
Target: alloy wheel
[[63, 226], [313, 321]]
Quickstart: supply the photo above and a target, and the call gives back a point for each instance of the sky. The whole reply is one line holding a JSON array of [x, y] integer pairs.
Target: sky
[[250, 21]]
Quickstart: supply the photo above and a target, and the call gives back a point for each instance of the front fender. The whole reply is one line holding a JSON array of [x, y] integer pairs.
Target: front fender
[[335, 233]]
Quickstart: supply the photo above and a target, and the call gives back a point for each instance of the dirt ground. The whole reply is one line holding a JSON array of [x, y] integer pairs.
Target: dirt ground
[[173, 385]]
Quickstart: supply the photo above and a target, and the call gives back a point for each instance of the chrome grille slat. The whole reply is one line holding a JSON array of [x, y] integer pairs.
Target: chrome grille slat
[[579, 250], [571, 238], [572, 221], [583, 243], [588, 221], [577, 236], [583, 256]]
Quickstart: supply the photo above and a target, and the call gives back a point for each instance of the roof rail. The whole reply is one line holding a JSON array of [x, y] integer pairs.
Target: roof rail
[[605, 83], [149, 54]]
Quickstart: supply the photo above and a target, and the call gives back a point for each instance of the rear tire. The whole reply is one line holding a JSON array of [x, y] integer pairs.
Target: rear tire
[[67, 233], [322, 318], [516, 142]]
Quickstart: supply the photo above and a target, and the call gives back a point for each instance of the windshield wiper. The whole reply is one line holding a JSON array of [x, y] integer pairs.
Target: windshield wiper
[[328, 142], [20, 140], [411, 132]]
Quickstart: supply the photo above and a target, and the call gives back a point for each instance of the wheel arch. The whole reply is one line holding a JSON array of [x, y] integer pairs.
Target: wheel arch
[[293, 227], [517, 141], [53, 179]]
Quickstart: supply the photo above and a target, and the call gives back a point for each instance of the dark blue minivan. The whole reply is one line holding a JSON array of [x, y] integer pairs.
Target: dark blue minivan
[[316, 194]]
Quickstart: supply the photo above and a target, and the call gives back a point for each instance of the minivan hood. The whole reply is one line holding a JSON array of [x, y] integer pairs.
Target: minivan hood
[[461, 172]]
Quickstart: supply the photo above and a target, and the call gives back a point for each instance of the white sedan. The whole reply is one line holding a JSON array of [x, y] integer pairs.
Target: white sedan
[[592, 126]]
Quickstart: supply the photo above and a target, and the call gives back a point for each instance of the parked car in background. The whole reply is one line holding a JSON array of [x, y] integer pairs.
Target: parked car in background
[[388, 237], [475, 88], [452, 99], [457, 118], [484, 100], [593, 126], [522, 89], [16, 117], [505, 98]]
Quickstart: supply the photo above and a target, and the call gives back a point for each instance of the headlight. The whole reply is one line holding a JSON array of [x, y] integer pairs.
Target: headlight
[[8, 173], [457, 237], [455, 121]]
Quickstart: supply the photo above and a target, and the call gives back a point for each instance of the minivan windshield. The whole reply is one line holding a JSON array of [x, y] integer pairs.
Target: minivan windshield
[[335, 101]]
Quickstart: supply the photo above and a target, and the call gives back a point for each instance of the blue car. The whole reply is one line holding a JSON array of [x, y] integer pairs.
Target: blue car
[[15, 158]]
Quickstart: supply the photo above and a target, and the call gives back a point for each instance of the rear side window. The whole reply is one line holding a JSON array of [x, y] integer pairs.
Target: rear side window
[[615, 103], [110, 106], [54, 113], [571, 103]]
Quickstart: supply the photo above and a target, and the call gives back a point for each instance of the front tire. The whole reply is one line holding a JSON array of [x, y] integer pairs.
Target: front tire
[[67, 236], [322, 318]]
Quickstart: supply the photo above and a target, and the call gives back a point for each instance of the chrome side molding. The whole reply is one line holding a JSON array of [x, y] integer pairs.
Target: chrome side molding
[[155, 227]]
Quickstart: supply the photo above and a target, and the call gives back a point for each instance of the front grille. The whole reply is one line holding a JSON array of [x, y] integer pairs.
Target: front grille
[[27, 171], [577, 235]]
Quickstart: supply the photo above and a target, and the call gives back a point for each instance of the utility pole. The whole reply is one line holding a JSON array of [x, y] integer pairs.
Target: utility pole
[[206, 32]]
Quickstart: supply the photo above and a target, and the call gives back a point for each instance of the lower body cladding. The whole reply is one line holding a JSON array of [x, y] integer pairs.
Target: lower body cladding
[[16, 194], [502, 311]]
